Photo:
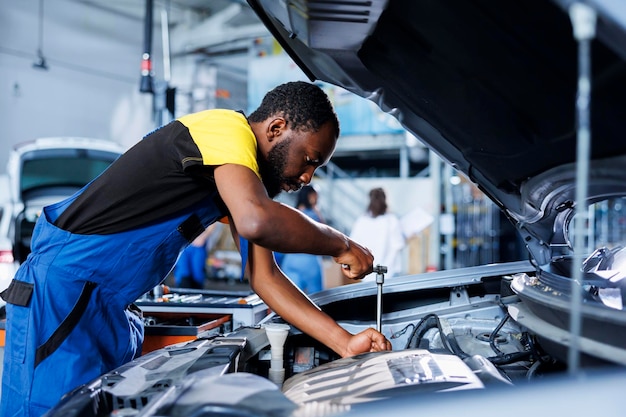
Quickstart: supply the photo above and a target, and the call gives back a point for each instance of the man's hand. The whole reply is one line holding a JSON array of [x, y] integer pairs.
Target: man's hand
[[369, 340], [356, 262]]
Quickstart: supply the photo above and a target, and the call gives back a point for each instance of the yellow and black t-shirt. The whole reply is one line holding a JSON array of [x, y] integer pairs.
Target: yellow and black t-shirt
[[168, 171]]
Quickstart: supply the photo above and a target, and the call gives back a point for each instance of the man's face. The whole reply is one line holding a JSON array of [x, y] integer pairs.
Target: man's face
[[272, 170], [292, 161]]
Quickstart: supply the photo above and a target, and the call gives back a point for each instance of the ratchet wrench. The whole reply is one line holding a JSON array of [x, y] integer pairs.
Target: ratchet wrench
[[380, 279]]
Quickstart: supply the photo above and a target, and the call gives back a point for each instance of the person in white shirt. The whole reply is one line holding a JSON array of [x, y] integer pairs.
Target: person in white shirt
[[380, 231]]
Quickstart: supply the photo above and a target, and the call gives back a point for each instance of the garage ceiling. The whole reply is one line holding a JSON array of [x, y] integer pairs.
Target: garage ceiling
[[179, 11]]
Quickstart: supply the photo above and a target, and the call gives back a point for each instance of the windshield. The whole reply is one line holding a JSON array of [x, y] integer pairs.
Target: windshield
[[62, 168]]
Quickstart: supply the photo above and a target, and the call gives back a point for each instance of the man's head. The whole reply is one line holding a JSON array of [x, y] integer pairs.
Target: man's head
[[297, 129], [303, 105]]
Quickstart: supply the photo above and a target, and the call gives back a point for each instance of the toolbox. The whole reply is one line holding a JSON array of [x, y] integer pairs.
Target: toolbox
[[245, 308], [166, 328]]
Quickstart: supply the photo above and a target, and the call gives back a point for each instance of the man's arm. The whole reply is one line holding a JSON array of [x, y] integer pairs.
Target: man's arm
[[284, 298], [281, 228]]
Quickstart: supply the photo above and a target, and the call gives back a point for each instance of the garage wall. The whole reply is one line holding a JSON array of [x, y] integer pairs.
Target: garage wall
[[91, 86]]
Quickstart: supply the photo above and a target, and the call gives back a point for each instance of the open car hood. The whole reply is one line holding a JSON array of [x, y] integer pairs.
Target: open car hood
[[489, 86]]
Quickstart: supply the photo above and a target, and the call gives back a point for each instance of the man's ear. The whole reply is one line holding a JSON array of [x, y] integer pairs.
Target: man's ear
[[275, 128]]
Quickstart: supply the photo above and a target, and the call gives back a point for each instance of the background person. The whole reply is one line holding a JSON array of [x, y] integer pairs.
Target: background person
[[190, 270], [381, 232], [303, 269], [94, 254]]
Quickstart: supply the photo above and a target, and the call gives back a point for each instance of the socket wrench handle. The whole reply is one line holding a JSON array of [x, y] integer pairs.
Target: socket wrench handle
[[380, 279]]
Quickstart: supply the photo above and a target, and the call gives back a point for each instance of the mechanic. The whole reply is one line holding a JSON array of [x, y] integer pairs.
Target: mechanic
[[69, 315]]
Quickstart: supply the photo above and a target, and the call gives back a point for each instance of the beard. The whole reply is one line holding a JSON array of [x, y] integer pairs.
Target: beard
[[272, 170]]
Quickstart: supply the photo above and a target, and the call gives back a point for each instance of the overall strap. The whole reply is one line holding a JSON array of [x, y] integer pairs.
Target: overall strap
[[66, 327]]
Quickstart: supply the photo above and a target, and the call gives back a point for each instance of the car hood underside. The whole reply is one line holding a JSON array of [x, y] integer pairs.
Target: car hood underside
[[489, 86]]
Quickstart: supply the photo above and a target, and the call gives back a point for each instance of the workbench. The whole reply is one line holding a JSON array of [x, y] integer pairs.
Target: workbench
[[185, 314]]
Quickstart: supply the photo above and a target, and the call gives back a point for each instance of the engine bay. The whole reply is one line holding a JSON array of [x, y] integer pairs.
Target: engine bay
[[471, 336]]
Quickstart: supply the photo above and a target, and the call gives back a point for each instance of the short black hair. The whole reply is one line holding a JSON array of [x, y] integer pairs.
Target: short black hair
[[304, 106]]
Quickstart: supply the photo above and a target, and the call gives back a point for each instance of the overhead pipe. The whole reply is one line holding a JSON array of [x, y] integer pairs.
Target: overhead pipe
[[583, 19], [169, 107], [165, 40], [146, 84]]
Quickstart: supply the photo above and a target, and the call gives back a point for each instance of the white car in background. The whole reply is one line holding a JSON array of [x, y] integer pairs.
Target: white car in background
[[42, 172]]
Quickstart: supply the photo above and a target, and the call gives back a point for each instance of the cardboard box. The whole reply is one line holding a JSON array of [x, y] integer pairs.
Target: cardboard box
[[332, 275]]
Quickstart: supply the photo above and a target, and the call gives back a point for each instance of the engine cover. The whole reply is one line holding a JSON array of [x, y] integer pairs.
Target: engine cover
[[374, 376]]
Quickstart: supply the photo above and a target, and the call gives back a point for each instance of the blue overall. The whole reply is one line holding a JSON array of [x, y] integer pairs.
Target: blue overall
[[51, 347]]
